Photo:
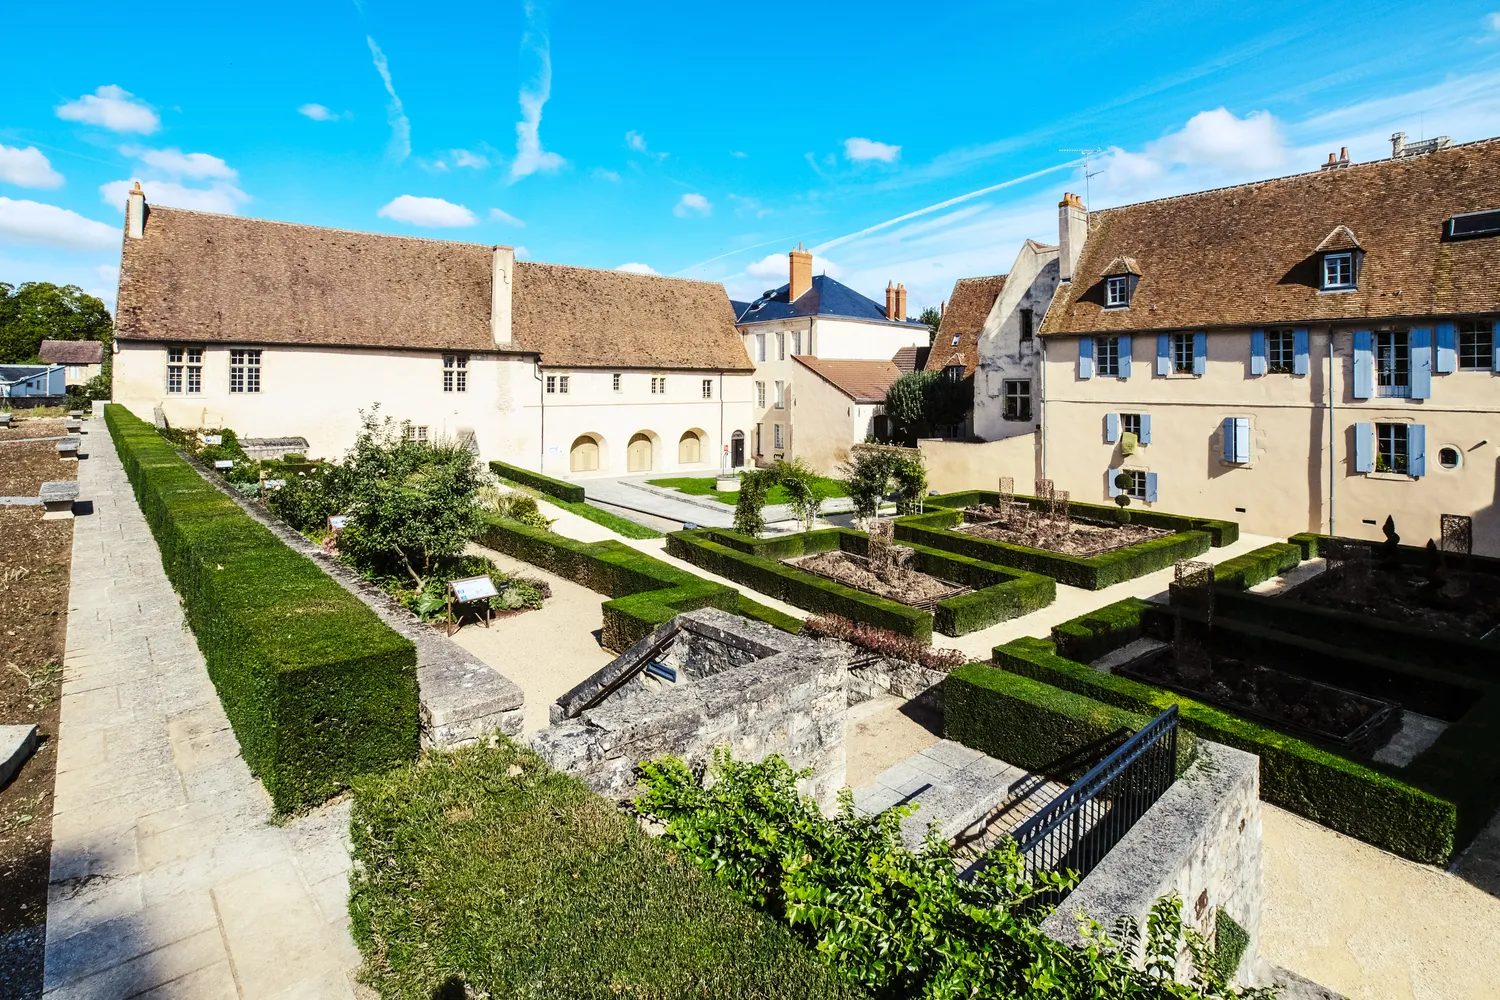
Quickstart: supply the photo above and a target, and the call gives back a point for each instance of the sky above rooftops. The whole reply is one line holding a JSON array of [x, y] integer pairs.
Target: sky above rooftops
[[898, 142]]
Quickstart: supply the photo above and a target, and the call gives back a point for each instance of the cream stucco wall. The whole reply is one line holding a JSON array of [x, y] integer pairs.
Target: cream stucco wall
[[1030, 284], [852, 339], [979, 465], [1285, 487], [830, 423]]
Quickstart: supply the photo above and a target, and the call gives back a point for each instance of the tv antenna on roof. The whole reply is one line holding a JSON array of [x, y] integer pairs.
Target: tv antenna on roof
[[1088, 159]]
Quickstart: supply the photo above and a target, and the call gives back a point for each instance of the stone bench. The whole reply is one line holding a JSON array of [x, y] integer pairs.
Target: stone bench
[[58, 496], [75, 414], [73, 426], [4, 419], [68, 447]]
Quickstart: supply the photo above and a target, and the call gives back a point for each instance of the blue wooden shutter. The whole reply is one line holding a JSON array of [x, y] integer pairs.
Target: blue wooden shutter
[[1226, 429], [1111, 427], [1300, 360], [1085, 357], [1109, 481], [1447, 348], [1364, 365], [1416, 449], [1200, 353], [1242, 439], [1164, 353], [1125, 355], [1421, 363], [1257, 352], [1151, 487], [1364, 447], [1145, 428], [1495, 362]]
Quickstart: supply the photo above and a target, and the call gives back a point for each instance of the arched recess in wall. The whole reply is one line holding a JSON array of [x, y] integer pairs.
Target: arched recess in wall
[[639, 456], [692, 447], [583, 456]]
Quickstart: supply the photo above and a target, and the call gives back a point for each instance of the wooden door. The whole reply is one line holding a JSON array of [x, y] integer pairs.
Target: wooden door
[[584, 456], [638, 455]]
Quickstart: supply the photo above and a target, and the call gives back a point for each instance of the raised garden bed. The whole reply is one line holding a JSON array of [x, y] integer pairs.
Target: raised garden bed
[[1076, 537], [896, 582], [1455, 601]]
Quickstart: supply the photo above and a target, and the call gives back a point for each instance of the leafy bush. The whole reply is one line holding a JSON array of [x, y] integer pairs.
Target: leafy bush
[[801, 484], [883, 642], [614, 522], [755, 485], [1090, 636], [481, 872], [305, 502], [901, 923], [872, 471], [430, 601], [516, 506], [1257, 566]]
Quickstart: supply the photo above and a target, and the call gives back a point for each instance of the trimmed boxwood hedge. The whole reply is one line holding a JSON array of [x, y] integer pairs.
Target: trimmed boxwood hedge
[[646, 592], [1222, 532], [999, 594], [1295, 775], [1098, 633], [1257, 566], [317, 688], [571, 492]]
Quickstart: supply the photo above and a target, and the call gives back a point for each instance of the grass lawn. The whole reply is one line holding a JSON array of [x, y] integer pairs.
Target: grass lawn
[[703, 486], [614, 522]]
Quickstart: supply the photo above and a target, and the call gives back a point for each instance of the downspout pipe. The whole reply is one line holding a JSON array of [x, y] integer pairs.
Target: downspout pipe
[[541, 395], [1331, 465]]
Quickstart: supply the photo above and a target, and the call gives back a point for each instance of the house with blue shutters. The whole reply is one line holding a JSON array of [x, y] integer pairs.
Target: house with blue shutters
[[1314, 352]]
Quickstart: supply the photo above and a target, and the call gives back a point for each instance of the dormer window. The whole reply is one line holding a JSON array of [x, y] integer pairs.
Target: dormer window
[[1338, 271], [953, 373], [1117, 291], [1340, 252]]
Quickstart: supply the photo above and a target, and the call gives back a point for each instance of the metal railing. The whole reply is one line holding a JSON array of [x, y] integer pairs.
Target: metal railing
[[1074, 831]]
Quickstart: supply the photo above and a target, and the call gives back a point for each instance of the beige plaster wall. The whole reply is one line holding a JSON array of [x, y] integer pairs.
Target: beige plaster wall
[[851, 339], [1031, 283], [828, 422], [976, 465]]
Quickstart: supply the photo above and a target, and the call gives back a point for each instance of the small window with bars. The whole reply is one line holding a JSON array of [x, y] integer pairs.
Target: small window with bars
[[1338, 270], [1476, 346], [1392, 363], [760, 395], [1391, 448], [1117, 291], [708, 388], [1281, 351], [1181, 345], [1135, 485], [416, 433], [777, 440], [1130, 423], [244, 371], [614, 382], [455, 373]]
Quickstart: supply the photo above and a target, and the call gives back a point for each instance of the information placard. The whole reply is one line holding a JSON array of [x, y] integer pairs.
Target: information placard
[[224, 463], [475, 588], [210, 439], [338, 522]]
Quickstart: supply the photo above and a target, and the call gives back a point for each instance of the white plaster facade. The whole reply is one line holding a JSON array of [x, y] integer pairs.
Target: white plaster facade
[[1004, 354], [840, 422]]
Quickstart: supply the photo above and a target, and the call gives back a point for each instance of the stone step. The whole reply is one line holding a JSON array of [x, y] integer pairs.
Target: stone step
[[17, 743]]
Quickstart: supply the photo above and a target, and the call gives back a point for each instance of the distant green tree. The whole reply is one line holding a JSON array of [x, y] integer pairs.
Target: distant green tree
[[38, 310], [932, 317], [908, 405]]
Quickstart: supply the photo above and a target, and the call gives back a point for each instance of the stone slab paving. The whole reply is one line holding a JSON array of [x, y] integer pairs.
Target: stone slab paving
[[168, 880]]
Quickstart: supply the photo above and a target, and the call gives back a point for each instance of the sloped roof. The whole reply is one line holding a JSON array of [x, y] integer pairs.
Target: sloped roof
[[1244, 255], [1123, 265], [196, 276], [910, 359], [968, 307], [861, 381], [71, 352], [1340, 239], [826, 298]]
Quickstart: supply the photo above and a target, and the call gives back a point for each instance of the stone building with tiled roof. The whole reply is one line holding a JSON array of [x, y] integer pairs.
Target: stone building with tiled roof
[[81, 359], [1313, 352], [282, 330], [844, 399]]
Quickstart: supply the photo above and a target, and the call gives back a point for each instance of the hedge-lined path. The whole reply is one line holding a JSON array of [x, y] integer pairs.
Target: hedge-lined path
[[167, 879]]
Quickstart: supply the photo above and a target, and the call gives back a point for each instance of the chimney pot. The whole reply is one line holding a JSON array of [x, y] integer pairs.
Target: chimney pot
[[900, 301], [1344, 154], [1072, 231], [501, 282], [890, 300], [801, 273]]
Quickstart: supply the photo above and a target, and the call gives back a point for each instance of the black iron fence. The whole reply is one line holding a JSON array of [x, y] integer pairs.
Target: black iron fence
[[1074, 831]]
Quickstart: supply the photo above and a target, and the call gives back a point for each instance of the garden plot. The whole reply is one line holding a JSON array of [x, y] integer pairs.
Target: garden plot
[[886, 572], [1019, 524], [1448, 599]]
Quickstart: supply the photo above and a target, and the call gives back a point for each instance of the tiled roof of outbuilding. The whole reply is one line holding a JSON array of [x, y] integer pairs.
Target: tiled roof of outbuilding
[[968, 307], [910, 359], [1246, 255], [71, 352], [861, 381]]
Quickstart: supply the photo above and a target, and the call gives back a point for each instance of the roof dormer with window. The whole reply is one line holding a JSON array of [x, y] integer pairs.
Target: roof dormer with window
[[1120, 279], [1339, 258]]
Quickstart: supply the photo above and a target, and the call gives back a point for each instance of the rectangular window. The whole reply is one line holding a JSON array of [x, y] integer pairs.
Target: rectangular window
[[1026, 325], [776, 436], [562, 385], [416, 433], [1130, 423], [796, 342], [760, 395], [614, 381], [1136, 487], [1107, 355], [1281, 351], [780, 397], [658, 385], [174, 369], [1390, 448], [1476, 346], [1017, 399], [1182, 353], [1338, 270], [551, 384], [455, 373], [185, 369], [1117, 291], [708, 388], [1392, 363], [781, 347], [955, 341], [244, 371], [760, 347], [953, 373]]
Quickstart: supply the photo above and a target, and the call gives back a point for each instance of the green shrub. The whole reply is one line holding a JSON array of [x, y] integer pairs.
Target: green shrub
[[317, 688], [1257, 566], [482, 868], [1221, 532], [1100, 632], [305, 502], [571, 492]]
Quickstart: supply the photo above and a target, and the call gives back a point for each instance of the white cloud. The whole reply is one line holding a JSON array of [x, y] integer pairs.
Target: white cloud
[[774, 267], [521, 252], [500, 215], [319, 113], [1213, 148], [637, 268], [432, 213], [531, 158], [606, 175], [198, 166], [113, 108], [740, 155], [36, 224], [635, 141], [469, 158], [400, 145], [692, 206], [220, 197], [27, 168], [1492, 21], [862, 150]]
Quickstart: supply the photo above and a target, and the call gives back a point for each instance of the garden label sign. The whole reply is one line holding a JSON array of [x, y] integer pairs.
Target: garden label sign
[[338, 522], [470, 590], [224, 463], [211, 439]]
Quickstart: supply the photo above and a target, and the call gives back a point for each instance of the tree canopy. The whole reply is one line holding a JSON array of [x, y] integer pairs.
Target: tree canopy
[[38, 310], [931, 316]]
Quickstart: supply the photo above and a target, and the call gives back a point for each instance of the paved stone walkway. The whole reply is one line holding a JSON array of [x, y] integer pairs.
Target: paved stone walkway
[[167, 879]]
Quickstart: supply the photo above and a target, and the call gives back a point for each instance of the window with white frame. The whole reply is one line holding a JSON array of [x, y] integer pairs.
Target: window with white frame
[[1135, 486], [1476, 346], [760, 395], [244, 371], [1392, 363], [455, 373], [416, 433], [1338, 270], [614, 382], [1017, 399], [760, 347], [1130, 423], [1281, 350], [1107, 355], [1117, 291], [1391, 448], [780, 396], [953, 373], [658, 385], [781, 347], [185, 369], [796, 342], [708, 388], [777, 442], [562, 385], [1181, 346]]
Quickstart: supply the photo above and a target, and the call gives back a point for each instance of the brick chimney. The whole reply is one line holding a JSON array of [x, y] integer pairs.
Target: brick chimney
[[502, 281], [900, 302], [1072, 232], [890, 300], [135, 213], [801, 277]]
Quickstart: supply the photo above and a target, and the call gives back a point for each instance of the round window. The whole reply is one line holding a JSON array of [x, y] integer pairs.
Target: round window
[[1449, 458]]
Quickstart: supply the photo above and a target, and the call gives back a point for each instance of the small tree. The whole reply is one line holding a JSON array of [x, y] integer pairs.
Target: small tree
[[801, 484], [872, 471], [933, 317], [755, 485], [908, 405]]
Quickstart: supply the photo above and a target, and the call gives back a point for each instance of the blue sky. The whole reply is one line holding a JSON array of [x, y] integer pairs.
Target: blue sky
[[701, 140]]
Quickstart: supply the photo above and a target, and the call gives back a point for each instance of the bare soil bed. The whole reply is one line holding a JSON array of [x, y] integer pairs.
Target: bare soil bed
[[1078, 539], [30, 427], [1465, 604], [896, 583]]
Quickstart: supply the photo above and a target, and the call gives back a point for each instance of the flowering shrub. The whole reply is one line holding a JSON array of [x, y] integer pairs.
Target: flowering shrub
[[883, 642]]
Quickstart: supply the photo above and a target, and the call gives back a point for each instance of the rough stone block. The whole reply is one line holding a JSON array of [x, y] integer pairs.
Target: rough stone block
[[17, 744], [58, 496]]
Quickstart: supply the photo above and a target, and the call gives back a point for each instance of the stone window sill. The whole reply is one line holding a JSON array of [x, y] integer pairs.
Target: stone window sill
[[1391, 477]]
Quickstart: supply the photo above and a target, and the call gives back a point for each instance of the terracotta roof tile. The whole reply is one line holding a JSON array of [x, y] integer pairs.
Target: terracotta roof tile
[[1246, 255], [1340, 239], [968, 307], [909, 359], [861, 381], [71, 352]]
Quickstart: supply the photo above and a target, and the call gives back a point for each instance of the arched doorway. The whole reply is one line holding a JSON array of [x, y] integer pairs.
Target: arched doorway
[[584, 455], [689, 449], [638, 454], [737, 450]]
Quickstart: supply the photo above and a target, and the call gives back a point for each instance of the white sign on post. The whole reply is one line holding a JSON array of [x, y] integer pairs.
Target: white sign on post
[[224, 463], [475, 588], [338, 522]]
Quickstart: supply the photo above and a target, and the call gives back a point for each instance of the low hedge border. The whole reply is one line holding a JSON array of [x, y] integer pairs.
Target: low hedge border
[[571, 492], [999, 594], [1222, 532], [1258, 565], [1295, 775], [317, 688], [1090, 573], [1099, 633], [646, 593]]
